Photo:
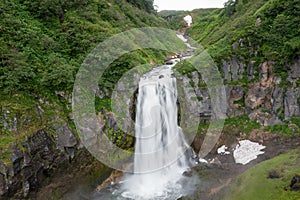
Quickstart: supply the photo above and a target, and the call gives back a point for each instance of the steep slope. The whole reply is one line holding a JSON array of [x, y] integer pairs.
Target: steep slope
[[270, 27], [44, 42]]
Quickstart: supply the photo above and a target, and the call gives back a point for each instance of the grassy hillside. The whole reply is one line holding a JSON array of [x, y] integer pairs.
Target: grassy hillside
[[256, 184], [269, 29]]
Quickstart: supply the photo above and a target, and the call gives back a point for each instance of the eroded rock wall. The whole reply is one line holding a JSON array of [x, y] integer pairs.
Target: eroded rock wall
[[36, 145], [265, 97]]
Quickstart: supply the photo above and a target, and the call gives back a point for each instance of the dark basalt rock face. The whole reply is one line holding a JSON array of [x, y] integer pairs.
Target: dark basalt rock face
[[30, 160], [34, 160]]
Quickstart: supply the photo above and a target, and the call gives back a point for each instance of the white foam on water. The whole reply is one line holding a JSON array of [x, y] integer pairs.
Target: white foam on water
[[159, 159]]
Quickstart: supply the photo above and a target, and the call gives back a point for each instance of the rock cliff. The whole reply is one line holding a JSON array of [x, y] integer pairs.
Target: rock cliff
[[266, 98]]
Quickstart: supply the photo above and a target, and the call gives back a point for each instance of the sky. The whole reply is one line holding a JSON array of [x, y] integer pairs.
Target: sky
[[188, 4]]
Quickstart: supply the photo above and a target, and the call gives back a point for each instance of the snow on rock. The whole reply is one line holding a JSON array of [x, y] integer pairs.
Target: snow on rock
[[247, 151], [222, 150]]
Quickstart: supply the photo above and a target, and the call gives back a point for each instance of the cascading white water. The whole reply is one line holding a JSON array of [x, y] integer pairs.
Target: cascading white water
[[159, 159]]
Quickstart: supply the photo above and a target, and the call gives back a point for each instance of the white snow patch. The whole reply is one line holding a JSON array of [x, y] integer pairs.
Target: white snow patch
[[188, 19], [222, 150], [201, 160], [247, 151]]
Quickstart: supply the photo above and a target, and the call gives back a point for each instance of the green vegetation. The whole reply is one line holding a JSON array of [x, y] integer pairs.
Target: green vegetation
[[25, 114], [291, 128], [175, 18], [126, 62], [102, 103], [184, 67], [256, 184], [269, 26], [44, 42], [42, 45], [232, 126], [146, 5], [241, 124], [250, 32], [120, 139]]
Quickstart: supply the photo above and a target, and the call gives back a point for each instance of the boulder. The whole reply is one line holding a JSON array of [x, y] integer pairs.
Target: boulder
[[66, 137], [295, 183]]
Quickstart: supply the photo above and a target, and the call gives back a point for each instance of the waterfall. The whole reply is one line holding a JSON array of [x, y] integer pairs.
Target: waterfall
[[160, 149]]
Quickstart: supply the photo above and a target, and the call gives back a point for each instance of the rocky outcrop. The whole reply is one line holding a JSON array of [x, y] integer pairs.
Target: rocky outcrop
[[37, 140], [38, 154], [267, 98], [294, 71], [233, 69], [35, 159], [195, 99], [292, 103], [114, 132], [28, 161]]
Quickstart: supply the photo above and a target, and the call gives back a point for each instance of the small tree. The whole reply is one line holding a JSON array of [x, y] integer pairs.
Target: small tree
[[146, 5], [230, 7]]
